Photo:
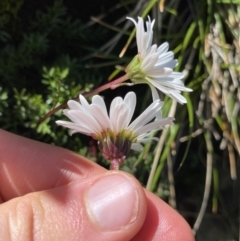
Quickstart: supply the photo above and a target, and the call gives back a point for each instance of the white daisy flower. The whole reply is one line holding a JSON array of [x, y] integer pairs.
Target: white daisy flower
[[113, 131], [154, 65]]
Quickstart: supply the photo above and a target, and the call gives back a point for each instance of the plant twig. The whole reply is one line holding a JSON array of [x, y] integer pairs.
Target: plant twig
[[111, 84]]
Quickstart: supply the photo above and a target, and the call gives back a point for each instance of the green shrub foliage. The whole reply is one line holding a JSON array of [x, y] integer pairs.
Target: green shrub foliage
[[41, 51]]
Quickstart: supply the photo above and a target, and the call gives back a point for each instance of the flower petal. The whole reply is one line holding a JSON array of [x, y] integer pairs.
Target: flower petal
[[171, 64], [156, 125], [137, 147], [84, 102], [75, 127], [163, 48], [86, 120], [101, 116], [72, 118], [113, 113], [159, 72], [155, 97], [98, 100], [130, 101], [147, 140], [146, 116], [170, 85], [120, 121], [166, 57], [74, 105]]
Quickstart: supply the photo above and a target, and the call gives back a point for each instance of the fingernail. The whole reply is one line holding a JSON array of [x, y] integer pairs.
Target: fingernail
[[113, 202]]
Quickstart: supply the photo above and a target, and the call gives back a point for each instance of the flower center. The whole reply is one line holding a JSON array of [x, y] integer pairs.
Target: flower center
[[115, 147]]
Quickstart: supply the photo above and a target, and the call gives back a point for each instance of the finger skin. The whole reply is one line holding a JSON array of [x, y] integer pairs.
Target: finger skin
[[61, 214], [163, 223], [27, 166]]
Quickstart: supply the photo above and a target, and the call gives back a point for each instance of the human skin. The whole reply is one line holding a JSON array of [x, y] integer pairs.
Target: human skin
[[50, 193]]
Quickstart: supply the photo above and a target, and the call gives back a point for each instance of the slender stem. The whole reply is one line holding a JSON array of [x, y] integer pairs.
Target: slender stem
[[156, 158], [172, 196], [114, 165], [159, 148], [208, 181], [113, 84]]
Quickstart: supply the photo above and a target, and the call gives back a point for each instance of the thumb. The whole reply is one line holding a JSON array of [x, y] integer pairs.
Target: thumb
[[109, 206]]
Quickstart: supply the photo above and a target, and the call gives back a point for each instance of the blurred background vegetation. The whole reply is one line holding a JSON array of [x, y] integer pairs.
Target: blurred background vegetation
[[50, 51]]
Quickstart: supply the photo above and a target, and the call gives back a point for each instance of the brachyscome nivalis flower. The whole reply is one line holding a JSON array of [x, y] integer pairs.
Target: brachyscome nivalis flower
[[154, 65], [114, 132]]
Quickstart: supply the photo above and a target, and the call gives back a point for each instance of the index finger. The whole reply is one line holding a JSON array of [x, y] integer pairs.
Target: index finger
[[27, 166]]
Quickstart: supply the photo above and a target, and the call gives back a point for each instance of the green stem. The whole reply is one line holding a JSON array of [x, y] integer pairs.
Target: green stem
[[111, 85]]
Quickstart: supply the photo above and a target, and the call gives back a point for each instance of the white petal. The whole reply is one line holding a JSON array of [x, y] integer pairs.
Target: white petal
[[113, 108], [159, 72], [149, 33], [72, 118], [86, 120], [152, 50], [84, 102], [133, 20], [75, 127], [156, 125], [137, 147], [146, 116], [155, 96], [149, 37], [140, 36], [159, 86], [163, 48], [171, 64], [130, 101], [177, 87], [101, 116], [166, 57], [169, 85], [120, 121], [147, 140], [149, 62], [144, 38], [98, 100], [173, 93], [144, 44], [176, 75], [74, 105], [178, 97]]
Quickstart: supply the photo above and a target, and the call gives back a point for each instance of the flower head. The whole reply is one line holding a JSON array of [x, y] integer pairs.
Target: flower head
[[113, 131], [154, 65]]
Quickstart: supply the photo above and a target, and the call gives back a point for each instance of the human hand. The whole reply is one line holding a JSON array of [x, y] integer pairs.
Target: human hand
[[49, 193]]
